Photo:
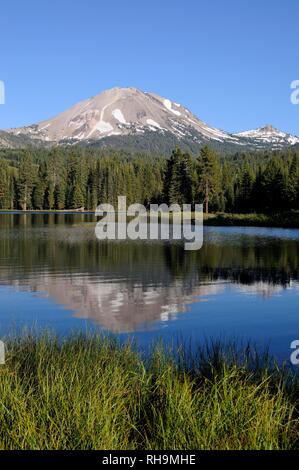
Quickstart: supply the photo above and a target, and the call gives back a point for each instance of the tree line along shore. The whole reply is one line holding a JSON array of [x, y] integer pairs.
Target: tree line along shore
[[81, 178]]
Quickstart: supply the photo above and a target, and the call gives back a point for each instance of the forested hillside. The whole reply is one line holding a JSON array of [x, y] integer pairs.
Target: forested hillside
[[70, 178]]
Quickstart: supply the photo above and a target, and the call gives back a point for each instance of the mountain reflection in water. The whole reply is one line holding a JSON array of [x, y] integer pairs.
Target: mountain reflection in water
[[128, 286]]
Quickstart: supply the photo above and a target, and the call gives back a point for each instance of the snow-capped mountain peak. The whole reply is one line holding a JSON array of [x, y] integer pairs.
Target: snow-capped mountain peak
[[123, 111], [145, 120], [269, 135]]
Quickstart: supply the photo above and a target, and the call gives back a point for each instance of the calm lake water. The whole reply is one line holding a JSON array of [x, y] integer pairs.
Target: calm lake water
[[242, 284]]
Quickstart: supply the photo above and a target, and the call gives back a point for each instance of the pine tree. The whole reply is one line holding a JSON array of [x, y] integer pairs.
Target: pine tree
[[208, 175], [92, 187], [78, 199], [25, 181], [228, 186], [292, 186], [56, 180], [246, 187], [274, 187], [178, 179], [5, 185], [38, 196], [60, 195], [49, 196]]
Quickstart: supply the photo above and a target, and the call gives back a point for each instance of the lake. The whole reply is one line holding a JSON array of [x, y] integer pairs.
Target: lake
[[243, 283]]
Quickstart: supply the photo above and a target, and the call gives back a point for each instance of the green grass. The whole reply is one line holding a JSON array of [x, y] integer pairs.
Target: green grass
[[93, 393]]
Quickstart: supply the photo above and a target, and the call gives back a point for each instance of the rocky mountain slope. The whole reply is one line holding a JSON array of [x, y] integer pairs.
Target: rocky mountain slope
[[269, 135], [129, 118]]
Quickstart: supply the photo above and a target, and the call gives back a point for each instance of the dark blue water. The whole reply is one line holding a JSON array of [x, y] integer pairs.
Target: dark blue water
[[243, 284]]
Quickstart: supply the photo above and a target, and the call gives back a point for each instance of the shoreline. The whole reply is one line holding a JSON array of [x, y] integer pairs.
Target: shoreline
[[281, 220]]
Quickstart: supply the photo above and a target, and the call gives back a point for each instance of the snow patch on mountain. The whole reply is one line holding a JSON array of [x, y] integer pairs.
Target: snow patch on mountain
[[119, 116], [167, 104], [103, 127], [153, 123]]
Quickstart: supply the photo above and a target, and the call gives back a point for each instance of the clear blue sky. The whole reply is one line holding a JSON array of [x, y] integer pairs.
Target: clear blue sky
[[231, 62]]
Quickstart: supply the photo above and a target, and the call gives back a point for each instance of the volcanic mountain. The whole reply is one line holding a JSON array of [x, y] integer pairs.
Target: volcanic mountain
[[132, 119]]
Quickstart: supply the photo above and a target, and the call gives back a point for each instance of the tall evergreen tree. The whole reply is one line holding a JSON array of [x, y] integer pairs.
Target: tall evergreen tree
[[292, 186], [208, 175], [5, 185], [25, 181], [245, 190], [178, 179], [40, 188]]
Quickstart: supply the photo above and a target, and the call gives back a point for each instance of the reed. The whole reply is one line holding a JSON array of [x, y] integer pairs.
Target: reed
[[91, 392]]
